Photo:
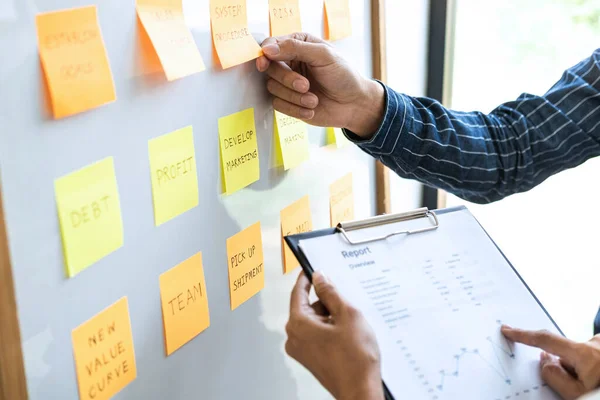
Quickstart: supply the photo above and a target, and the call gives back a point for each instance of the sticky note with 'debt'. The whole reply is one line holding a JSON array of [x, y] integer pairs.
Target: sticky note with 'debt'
[[341, 200], [184, 303], [89, 213], [295, 219], [285, 17], [239, 151], [291, 139], [74, 60], [232, 39], [173, 174], [337, 19], [174, 44], [104, 353]]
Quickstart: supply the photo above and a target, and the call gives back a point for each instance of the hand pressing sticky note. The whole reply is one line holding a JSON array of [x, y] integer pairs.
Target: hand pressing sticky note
[[337, 19], [239, 151], [245, 265], [336, 136], [295, 219], [184, 303], [104, 354], [89, 213], [291, 139], [173, 174], [285, 17], [74, 61], [341, 200], [172, 40], [232, 39]]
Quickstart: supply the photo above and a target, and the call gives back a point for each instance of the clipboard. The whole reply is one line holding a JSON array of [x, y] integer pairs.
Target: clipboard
[[431, 223]]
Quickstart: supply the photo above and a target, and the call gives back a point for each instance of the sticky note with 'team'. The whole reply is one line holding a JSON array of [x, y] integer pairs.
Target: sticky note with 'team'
[[296, 218]]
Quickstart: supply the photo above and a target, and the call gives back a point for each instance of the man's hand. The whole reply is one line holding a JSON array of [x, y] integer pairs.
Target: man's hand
[[311, 82], [572, 369], [333, 341]]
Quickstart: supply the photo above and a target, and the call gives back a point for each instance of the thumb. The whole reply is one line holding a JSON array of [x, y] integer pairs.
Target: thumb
[[559, 379], [327, 293], [299, 48]]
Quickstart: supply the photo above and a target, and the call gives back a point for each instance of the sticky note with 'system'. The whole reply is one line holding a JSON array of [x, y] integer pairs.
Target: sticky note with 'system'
[[173, 174], [296, 218], [89, 213], [341, 200], [291, 141], [284, 16], [74, 60], [104, 353], [184, 303], [172, 40], [337, 19], [232, 39]]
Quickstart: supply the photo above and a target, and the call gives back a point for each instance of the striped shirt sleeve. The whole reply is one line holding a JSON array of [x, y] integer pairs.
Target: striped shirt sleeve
[[485, 157]]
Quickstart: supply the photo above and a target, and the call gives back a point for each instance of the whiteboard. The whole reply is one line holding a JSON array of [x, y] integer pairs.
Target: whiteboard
[[242, 354]]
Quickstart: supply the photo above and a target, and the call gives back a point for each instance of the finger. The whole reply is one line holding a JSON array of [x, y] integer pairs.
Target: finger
[[297, 48], [288, 78], [292, 110], [554, 344], [306, 100], [300, 292], [568, 367], [328, 294], [320, 309], [262, 63], [559, 379]]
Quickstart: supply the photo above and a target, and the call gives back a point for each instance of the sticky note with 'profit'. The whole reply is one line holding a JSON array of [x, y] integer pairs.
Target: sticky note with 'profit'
[[296, 218]]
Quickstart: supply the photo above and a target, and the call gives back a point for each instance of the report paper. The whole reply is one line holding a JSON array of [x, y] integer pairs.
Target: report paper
[[436, 301]]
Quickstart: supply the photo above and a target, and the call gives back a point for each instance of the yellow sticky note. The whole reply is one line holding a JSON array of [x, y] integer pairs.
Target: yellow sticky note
[[291, 138], [338, 23], [285, 17], [336, 136], [341, 200], [74, 60], [173, 42], [232, 39], [239, 150], [104, 353], [184, 302], [245, 265], [295, 219], [89, 212], [173, 174]]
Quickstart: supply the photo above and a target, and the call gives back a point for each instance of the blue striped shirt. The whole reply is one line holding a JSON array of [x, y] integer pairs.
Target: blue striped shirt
[[485, 157]]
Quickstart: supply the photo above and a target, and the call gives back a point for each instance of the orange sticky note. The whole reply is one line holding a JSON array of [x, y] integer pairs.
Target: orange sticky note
[[245, 265], [231, 36], [285, 17], [172, 40], [184, 302], [341, 200], [338, 23], [74, 60], [295, 218], [104, 354]]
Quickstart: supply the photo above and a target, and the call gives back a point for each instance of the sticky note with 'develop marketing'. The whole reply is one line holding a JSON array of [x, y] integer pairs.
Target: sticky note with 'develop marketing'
[[232, 39], [285, 17], [184, 303], [338, 23], [172, 40], [74, 60], [296, 218], [89, 213], [336, 136], [104, 353], [291, 141], [245, 265], [341, 200], [173, 174], [239, 151]]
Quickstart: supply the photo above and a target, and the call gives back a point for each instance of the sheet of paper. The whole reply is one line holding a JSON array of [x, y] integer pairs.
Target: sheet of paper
[[338, 23], [184, 303], [291, 139], [436, 301], [336, 136], [296, 218], [104, 353], [284, 16], [239, 151], [341, 200], [89, 213], [173, 42], [245, 265], [231, 36], [74, 60], [173, 174]]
